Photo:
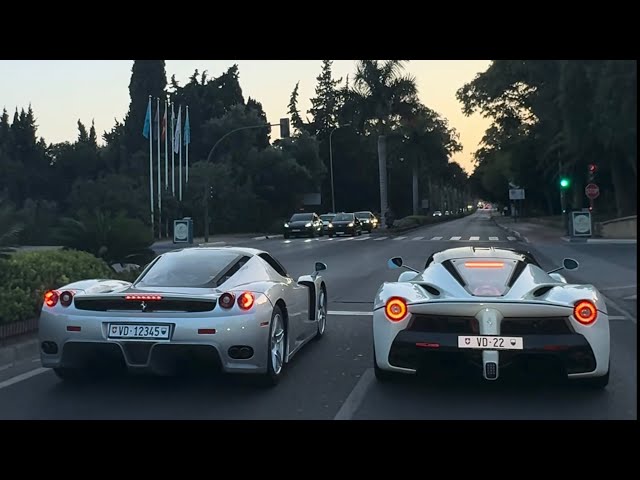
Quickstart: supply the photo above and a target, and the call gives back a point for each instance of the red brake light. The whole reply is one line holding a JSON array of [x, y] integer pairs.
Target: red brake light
[[143, 297], [227, 300], [66, 297], [484, 264], [245, 301], [396, 309], [51, 298], [585, 312]]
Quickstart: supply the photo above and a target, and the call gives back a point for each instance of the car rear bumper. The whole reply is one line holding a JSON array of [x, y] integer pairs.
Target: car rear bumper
[[412, 351]]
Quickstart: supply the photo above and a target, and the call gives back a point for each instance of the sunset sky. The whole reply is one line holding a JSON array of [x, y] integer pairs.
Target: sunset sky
[[61, 92]]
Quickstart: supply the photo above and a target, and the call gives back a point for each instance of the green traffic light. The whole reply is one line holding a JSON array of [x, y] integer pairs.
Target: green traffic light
[[564, 182]]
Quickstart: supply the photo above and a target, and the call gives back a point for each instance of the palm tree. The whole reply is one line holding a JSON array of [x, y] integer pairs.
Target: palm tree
[[380, 97], [10, 227]]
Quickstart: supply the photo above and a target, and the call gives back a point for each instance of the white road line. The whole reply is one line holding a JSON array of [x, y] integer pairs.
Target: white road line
[[347, 313], [632, 297], [455, 238], [22, 377], [511, 239], [474, 239], [436, 238], [617, 317], [346, 239], [625, 313], [400, 238], [417, 238], [494, 239], [623, 287], [362, 239], [357, 395], [379, 238], [261, 237]]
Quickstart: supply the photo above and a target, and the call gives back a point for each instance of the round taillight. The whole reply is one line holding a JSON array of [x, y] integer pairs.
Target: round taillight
[[51, 298], [66, 298], [245, 301], [396, 309], [585, 312], [227, 300]]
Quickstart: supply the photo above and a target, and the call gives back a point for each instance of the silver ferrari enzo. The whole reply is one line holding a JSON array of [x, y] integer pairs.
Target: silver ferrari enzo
[[231, 308], [493, 310]]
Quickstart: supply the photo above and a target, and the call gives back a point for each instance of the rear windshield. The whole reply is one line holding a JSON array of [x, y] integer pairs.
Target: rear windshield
[[326, 217], [300, 217], [363, 214], [485, 277], [343, 217], [197, 268]]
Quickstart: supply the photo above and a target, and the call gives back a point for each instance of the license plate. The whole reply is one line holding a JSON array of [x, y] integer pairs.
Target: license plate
[[160, 332], [295, 230], [487, 342]]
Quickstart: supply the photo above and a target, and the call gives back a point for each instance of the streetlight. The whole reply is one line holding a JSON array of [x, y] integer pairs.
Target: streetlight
[[333, 197]]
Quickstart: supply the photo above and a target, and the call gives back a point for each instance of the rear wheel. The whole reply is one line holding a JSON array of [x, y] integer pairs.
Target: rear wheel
[[321, 313], [276, 349]]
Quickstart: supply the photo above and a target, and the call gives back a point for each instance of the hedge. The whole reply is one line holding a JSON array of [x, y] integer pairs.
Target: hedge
[[25, 276]]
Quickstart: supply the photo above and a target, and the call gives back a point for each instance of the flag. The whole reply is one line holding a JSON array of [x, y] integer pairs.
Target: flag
[[164, 123], [177, 138], [187, 130], [146, 131]]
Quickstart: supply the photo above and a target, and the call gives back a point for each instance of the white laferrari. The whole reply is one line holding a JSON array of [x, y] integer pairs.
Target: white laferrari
[[492, 309]]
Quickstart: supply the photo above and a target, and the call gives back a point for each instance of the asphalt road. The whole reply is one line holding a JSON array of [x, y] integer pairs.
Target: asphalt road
[[333, 378]]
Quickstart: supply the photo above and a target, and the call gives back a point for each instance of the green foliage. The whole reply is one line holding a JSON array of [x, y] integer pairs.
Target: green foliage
[[25, 276], [10, 226]]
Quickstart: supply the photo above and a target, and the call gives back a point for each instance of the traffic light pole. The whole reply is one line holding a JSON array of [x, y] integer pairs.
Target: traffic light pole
[[284, 126]]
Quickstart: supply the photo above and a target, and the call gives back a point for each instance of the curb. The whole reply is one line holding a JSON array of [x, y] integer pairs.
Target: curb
[[601, 241], [11, 354], [511, 231]]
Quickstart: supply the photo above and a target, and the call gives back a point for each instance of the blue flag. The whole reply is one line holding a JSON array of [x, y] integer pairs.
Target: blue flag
[[187, 130], [146, 131]]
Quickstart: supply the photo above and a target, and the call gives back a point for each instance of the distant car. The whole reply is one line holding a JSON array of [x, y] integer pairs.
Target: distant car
[[326, 220], [491, 310], [446, 213], [437, 213], [305, 224], [368, 220], [231, 308], [346, 223]]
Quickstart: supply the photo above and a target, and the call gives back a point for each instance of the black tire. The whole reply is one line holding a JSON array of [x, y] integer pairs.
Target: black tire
[[72, 375], [331, 235], [286, 236], [321, 331], [598, 383], [271, 378]]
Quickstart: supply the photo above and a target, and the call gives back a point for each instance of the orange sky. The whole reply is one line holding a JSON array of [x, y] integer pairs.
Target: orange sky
[[98, 89]]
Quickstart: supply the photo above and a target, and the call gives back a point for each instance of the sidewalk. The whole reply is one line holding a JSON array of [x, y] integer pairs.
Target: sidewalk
[[530, 232]]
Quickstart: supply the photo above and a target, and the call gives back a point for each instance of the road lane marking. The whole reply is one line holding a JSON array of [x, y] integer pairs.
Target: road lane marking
[[417, 238], [617, 317], [622, 287], [625, 313], [436, 238], [511, 239], [362, 239], [356, 397], [22, 377], [494, 239], [632, 297], [345, 239], [455, 238], [400, 238], [348, 313], [379, 238], [474, 239]]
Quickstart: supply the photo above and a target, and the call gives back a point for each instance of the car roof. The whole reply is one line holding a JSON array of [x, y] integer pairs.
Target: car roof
[[229, 248], [476, 252]]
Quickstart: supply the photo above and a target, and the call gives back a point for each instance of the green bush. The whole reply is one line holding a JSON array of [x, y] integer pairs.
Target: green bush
[[25, 276]]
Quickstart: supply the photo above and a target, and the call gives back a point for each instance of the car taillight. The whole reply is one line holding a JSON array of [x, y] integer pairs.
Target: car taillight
[[66, 297], [396, 309], [245, 301], [227, 300], [138, 297], [585, 312], [51, 298]]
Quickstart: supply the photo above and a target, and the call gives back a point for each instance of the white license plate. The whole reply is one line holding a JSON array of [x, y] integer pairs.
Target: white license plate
[[160, 332], [488, 342], [295, 230]]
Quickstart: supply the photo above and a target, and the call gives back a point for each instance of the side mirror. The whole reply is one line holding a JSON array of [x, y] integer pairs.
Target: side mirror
[[570, 264], [320, 267], [395, 262], [407, 276]]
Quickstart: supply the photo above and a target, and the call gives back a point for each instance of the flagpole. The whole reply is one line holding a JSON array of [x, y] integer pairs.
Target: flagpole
[[166, 145], [151, 168], [173, 158], [159, 172], [187, 139], [180, 146]]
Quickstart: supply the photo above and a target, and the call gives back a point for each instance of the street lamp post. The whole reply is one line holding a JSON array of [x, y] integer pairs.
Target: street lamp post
[[333, 197]]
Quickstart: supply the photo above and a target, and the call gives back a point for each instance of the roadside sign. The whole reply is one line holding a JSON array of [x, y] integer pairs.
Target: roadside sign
[[183, 230], [516, 194], [581, 224], [592, 191]]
